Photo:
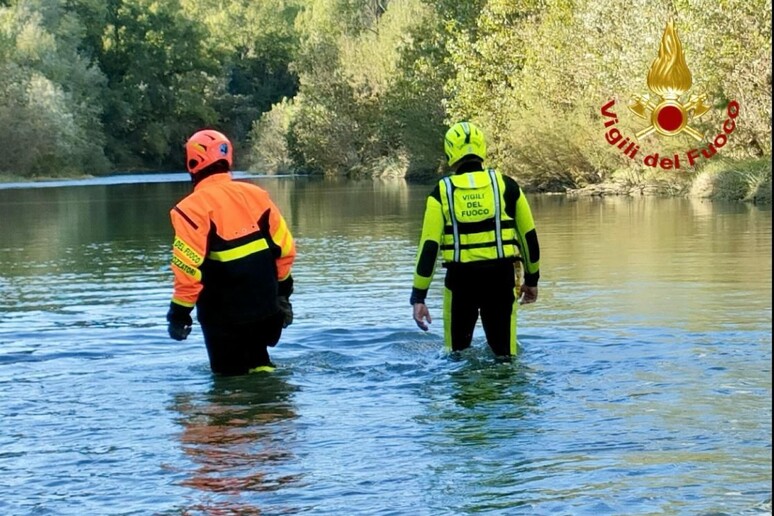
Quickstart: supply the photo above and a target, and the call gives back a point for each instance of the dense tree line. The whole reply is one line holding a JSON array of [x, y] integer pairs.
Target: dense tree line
[[360, 87], [100, 85]]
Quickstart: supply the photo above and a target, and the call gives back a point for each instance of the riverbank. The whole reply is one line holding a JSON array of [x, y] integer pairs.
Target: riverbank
[[10, 178], [745, 181], [14, 178]]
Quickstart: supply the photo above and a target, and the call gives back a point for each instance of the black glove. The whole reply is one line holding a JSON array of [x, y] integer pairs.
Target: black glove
[[179, 319], [287, 310], [285, 287]]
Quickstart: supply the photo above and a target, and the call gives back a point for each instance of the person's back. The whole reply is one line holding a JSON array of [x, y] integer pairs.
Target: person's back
[[232, 259], [240, 271], [481, 223]]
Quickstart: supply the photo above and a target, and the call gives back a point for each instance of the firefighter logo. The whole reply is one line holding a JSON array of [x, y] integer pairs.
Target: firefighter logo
[[669, 79]]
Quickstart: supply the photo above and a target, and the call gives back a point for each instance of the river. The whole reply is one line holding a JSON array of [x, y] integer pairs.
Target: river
[[643, 384]]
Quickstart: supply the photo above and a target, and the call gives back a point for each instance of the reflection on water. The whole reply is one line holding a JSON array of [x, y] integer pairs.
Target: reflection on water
[[480, 418], [238, 436], [487, 384]]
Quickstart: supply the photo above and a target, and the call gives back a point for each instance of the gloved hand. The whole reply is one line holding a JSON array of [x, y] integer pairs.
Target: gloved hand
[[287, 310], [179, 319], [284, 289]]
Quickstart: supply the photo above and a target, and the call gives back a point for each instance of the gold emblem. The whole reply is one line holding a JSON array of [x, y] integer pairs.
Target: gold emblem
[[668, 79]]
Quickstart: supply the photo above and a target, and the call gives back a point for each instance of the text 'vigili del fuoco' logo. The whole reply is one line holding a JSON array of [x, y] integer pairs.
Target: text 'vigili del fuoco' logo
[[665, 114]]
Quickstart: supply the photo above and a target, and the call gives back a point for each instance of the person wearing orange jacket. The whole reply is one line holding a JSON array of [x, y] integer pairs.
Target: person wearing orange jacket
[[232, 257]]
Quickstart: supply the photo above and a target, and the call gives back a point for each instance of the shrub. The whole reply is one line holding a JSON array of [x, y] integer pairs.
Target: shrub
[[748, 180], [268, 144]]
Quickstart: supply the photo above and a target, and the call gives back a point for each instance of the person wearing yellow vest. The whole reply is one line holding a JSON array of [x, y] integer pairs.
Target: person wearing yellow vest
[[231, 258], [481, 223]]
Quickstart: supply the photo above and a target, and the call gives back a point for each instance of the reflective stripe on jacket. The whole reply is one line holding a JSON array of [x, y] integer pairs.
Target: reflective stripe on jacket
[[475, 217], [476, 225], [231, 248]]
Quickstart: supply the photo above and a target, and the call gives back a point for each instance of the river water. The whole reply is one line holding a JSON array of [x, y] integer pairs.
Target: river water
[[643, 385]]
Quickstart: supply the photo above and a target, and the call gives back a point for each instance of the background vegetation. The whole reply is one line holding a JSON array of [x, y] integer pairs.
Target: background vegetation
[[367, 87]]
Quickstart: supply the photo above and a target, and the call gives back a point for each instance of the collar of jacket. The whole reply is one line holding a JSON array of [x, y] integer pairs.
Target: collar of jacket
[[469, 166], [214, 178]]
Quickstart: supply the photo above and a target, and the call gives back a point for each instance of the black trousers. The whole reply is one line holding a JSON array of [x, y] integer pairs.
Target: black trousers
[[485, 289], [235, 349]]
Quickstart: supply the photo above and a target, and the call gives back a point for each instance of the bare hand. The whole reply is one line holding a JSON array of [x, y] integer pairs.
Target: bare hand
[[420, 314], [527, 295]]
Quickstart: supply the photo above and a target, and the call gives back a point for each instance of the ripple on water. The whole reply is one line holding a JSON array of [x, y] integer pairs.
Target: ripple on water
[[640, 388]]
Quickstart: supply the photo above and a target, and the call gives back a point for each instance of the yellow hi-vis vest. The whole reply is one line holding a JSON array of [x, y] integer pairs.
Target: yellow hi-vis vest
[[476, 226]]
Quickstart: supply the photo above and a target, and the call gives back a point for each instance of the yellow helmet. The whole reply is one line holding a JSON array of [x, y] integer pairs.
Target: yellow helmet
[[464, 139]]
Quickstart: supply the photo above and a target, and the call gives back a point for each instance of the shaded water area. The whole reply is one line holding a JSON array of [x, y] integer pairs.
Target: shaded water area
[[643, 385]]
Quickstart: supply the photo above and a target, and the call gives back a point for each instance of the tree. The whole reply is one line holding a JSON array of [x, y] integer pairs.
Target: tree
[[349, 64], [49, 94], [257, 41]]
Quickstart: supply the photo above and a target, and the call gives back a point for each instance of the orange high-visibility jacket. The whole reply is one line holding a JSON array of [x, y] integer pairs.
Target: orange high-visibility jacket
[[232, 247]]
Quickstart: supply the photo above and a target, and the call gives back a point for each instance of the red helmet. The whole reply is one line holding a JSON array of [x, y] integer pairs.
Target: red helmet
[[205, 148]]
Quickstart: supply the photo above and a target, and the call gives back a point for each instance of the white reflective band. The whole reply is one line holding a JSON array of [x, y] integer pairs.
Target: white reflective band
[[498, 232], [455, 230]]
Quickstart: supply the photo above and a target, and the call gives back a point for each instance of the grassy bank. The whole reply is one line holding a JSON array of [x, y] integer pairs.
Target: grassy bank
[[748, 181], [727, 180]]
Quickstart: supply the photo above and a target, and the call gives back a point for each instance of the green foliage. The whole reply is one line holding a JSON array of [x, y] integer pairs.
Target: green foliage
[[735, 180], [49, 94], [161, 81], [414, 114], [268, 152], [139, 76], [569, 58], [347, 73], [256, 42], [368, 87]]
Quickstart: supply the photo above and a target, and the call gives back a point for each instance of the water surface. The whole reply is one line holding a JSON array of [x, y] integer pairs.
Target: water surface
[[643, 385]]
